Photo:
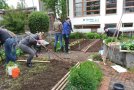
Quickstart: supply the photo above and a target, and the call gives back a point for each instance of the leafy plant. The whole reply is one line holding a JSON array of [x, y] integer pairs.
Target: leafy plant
[[85, 77], [38, 22], [127, 45], [19, 52], [77, 35], [91, 35], [97, 57], [14, 21], [109, 39]]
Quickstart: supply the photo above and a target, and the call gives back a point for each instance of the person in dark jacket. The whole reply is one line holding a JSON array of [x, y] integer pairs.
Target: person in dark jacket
[[8, 39], [27, 43], [112, 32], [66, 33]]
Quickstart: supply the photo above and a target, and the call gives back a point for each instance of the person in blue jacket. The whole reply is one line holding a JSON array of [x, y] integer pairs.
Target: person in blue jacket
[[8, 39], [67, 28]]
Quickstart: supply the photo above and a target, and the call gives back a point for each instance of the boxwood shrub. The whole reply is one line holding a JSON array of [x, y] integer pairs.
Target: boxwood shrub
[[85, 77], [38, 22]]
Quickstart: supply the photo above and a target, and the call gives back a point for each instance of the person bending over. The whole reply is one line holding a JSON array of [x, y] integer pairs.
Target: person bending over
[[8, 39], [27, 43]]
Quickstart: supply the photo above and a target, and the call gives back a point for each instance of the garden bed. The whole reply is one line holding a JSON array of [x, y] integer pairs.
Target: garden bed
[[41, 76], [81, 45]]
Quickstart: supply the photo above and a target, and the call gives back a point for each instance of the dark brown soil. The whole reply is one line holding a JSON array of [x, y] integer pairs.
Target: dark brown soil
[[43, 80], [47, 79], [96, 47], [81, 45]]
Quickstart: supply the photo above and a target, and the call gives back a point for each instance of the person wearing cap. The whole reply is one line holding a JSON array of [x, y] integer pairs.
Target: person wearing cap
[[27, 43], [112, 32], [67, 28], [8, 39], [58, 33]]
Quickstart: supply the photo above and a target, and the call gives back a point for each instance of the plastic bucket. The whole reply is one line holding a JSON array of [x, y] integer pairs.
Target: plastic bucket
[[118, 86], [15, 72]]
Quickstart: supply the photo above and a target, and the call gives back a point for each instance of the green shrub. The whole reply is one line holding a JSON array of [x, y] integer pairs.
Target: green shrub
[[38, 22], [127, 45], [77, 35], [85, 77], [14, 21], [109, 39], [93, 35]]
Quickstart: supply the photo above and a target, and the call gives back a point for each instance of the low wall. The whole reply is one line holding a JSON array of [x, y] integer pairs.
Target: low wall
[[125, 59]]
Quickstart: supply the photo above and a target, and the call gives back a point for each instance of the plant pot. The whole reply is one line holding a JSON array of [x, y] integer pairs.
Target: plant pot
[[118, 86]]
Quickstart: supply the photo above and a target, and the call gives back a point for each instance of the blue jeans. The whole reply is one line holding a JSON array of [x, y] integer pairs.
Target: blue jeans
[[58, 36], [10, 49]]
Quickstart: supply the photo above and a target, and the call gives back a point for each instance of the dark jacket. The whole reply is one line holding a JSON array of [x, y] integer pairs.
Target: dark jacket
[[30, 40], [111, 32], [4, 35]]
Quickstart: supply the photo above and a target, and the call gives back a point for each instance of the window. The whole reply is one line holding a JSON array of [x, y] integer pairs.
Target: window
[[87, 26], [111, 6], [127, 24], [110, 25], [86, 7], [128, 6]]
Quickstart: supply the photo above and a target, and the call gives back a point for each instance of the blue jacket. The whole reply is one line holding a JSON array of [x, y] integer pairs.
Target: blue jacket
[[66, 28]]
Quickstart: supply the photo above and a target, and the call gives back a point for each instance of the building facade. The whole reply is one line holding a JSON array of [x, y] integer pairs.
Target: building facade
[[94, 15]]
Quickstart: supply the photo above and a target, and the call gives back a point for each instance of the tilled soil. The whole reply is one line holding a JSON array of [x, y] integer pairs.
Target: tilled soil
[[43, 80]]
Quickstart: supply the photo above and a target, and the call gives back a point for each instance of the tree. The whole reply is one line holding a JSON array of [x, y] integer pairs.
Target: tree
[[14, 21], [57, 6], [3, 4], [21, 4]]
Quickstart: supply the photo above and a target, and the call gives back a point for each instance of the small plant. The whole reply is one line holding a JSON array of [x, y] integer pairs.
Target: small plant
[[19, 52], [97, 57], [109, 39], [87, 76], [127, 45]]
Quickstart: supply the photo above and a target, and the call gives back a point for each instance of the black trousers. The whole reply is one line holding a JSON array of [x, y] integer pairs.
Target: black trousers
[[66, 39]]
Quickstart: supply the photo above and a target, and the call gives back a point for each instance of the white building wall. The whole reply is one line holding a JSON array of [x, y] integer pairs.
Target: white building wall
[[102, 19]]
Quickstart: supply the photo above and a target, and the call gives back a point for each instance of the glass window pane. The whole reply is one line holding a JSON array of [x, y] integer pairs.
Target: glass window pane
[[111, 11], [127, 25], [78, 1]]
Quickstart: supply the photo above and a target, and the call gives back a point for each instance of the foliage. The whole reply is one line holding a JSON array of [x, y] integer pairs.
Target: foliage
[[2, 55], [21, 4], [103, 36], [91, 35], [3, 4], [19, 52], [14, 21], [77, 35], [127, 45], [57, 6], [87, 76], [38, 21], [97, 57], [109, 39]]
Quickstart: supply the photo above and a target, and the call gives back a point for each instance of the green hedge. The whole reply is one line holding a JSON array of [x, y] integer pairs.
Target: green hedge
[[85, 77], [38, 22], [89, 35]]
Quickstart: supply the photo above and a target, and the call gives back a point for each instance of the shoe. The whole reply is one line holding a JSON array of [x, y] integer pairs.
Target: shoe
[[29, 64], [62, 49], [54, 49]]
